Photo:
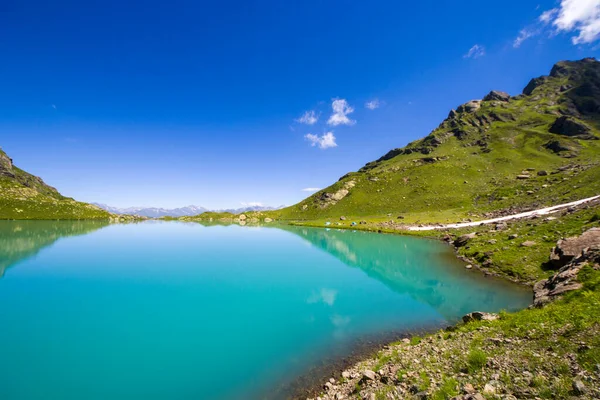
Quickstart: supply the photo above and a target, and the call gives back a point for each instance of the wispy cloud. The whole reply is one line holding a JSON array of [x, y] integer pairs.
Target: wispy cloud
[[324, 142], [475, 52], [524, 34], [581, 17], [308, 118], [54, 106], [252, 204], [341, 110], [373, 104], [311, 189]]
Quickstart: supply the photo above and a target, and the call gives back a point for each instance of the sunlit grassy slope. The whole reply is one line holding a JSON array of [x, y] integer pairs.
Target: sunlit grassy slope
[[485, 156]]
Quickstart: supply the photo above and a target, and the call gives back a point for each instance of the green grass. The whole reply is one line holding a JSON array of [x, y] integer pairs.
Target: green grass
[[476, 360], [474, 173], [447, 390]]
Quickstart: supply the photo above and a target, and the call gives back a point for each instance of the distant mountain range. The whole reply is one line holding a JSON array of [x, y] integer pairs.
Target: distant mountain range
[[155, 212]]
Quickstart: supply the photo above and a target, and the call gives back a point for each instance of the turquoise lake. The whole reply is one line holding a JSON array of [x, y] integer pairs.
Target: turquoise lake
[[170, 310]]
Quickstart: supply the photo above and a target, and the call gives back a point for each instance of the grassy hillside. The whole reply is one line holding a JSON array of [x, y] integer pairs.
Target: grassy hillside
[[501, 153], [25, 196]]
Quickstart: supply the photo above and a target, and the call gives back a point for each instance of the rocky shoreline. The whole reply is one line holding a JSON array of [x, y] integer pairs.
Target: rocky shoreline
[[417, 369]]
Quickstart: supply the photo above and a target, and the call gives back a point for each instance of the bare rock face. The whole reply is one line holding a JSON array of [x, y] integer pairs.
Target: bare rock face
[[568, 126], [565, 279], [568, 249], [470, 106], [534, 83], [497, 96], [328, 199], [6, 166]]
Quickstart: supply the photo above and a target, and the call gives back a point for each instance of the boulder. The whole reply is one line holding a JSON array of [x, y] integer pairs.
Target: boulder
[[523, 176], [368, 375], [464, 239], [268, 220], [470, 106], [569, 126], [480, 316], [528, 243], [342, 218], [565, 279], [497, 95], [542, 173], [568, 249], [501, 226], [242, 217]]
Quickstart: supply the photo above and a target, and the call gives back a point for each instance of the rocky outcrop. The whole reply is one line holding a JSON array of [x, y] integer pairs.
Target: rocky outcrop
[[6, 166], [569, 126], [496, 95], [470, 106], [568, 249], [565, 280], [328, 198], [533, 84]]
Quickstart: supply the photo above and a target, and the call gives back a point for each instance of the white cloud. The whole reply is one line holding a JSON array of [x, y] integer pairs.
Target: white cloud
[[524, 34], [54, 106], [580, 16], [373, 104], [341, 109], [252, 204], [311, 189], [548, 16], [475, 52], [324, 142], [308, 118]]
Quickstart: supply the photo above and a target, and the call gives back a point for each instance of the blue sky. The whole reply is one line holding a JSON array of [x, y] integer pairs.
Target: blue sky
[[176, 103]]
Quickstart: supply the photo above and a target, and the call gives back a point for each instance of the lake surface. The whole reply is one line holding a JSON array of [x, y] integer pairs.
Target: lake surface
[[169, 310]]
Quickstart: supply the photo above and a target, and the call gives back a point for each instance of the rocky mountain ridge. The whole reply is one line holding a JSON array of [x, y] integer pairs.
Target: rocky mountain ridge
[[500, 152]]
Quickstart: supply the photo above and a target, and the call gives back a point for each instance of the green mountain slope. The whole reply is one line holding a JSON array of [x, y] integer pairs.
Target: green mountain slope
[[25, 196], [500, 153]]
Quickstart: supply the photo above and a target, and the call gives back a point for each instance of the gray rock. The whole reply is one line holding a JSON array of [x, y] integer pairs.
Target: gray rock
[[497, 95], [470, 106], [567, 249], [342, 218], [501, 226], [569, 126], [464, 239], [513, 236], [542, 173], [528, 243], [523, 176], [480, 316], [578, 387], [368, 375]]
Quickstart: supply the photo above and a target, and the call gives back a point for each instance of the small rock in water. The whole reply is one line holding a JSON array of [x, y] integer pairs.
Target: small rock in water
[[469, 266]]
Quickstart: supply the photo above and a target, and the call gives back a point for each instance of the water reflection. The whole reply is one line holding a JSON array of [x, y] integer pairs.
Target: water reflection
[[23, 239], [424, 269]]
